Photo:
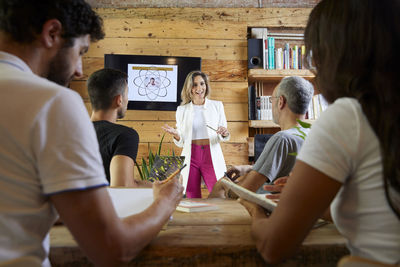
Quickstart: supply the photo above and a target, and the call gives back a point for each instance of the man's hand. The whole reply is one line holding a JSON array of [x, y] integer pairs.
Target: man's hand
[[236, 171], [218, 190], [169, 192], [276, 188], [255, 211]]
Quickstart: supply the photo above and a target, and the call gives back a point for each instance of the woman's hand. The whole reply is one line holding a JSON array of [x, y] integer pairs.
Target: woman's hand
[[171, 131], [222, 131]]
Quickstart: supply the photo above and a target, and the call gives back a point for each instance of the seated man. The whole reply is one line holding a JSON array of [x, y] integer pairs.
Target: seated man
[[108, 92], [50, 164], [290, 100]]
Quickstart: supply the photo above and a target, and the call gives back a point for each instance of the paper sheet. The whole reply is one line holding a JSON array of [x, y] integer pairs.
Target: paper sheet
[[128, 201]]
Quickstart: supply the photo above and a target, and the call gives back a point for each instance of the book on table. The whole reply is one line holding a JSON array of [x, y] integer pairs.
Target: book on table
[[259, 199], [194, 206]]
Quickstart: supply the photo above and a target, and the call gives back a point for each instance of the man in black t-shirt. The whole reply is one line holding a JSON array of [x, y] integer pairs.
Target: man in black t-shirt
[[108, 92]]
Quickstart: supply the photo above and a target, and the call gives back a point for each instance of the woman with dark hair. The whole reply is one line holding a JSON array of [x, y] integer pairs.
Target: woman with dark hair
[[200, 127], [349, 165]]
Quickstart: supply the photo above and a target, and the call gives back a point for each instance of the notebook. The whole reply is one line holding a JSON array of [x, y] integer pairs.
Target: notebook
[[194, 206]]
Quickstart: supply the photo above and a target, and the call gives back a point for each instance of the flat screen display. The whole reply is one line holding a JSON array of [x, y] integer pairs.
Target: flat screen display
[[154, 82]]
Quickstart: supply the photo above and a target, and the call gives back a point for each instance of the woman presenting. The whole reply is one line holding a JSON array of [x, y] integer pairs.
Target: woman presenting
[[200, 126]]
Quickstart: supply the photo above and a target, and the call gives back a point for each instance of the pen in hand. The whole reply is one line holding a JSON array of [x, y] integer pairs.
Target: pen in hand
[[172, 175], [211, 127], [216, 130]]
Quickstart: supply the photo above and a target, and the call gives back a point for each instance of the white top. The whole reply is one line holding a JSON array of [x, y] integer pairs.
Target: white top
[[342, 145], [199, 129], [48, 145], [214, 116]]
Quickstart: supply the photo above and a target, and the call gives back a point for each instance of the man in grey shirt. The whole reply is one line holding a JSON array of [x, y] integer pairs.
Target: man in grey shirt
[[290, 100], [275, 160]]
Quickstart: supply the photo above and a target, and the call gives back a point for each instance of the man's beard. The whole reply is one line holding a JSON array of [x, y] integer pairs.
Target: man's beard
[[60, 69]]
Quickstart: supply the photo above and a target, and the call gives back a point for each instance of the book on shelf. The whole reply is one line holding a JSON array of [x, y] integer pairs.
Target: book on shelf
[[264, 47], [252, 104], [317, 105], [248, 195], [262, 107], [286, 57], [258, 108], [195, 206]]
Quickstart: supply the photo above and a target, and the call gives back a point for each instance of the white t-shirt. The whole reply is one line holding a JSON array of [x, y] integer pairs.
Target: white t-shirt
[[48, 145], [342, 145], [199, 130]]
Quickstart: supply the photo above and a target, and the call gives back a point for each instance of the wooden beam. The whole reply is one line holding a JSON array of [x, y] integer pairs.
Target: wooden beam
[[262, 17], [132, 46], [167, 28], [218, 70]]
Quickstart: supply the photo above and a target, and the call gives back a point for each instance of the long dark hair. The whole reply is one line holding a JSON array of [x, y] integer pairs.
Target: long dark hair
[[354, 45]]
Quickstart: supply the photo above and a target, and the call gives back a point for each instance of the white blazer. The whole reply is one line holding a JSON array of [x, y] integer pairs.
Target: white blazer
[[214, 116]]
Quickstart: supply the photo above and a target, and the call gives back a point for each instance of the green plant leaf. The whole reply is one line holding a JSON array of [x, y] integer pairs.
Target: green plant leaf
[[159, 146], [139, 170], [304, 124], [151, 159], [145, 169], [293, 154]]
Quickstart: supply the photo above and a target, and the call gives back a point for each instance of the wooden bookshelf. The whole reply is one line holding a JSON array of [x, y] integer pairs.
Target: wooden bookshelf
[[277, 75], [268, 123]]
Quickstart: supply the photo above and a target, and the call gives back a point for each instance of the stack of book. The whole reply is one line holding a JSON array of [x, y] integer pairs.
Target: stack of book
[[195, 206], [286, 57], [316, 107], [260, 107]]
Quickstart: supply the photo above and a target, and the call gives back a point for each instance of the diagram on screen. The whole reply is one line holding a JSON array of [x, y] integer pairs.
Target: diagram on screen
[[152, 82]]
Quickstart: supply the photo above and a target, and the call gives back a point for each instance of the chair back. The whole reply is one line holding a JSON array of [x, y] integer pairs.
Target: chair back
[[259, 143]]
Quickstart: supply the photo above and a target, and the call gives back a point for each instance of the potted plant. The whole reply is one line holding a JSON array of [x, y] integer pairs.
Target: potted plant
[[145, 170]]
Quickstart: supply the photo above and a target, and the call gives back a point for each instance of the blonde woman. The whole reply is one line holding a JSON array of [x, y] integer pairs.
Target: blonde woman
[[200, 127]]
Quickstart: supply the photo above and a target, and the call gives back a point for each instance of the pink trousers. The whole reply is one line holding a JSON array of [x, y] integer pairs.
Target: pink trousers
[[200, 165]]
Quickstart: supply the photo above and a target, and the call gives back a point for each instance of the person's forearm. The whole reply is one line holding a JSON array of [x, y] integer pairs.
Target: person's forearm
[[253, 181], [106, 239], [327, 215], [143, 184], [138, 230]]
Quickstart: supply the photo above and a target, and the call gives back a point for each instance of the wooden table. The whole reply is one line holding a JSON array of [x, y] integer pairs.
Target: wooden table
[[213, 238]]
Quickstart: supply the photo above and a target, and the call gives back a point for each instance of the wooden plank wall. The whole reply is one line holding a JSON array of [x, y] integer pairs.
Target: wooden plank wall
[[217, 35]]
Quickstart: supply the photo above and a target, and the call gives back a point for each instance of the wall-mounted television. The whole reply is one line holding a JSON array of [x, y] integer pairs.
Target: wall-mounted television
[[154, 82]]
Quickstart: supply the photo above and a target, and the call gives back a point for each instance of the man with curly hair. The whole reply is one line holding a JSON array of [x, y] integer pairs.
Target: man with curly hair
[[50, 162]]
